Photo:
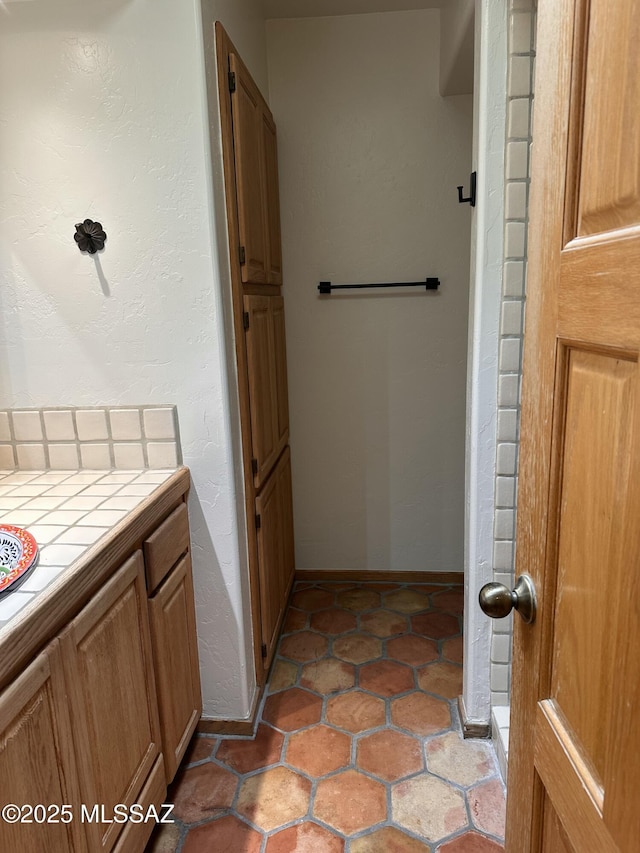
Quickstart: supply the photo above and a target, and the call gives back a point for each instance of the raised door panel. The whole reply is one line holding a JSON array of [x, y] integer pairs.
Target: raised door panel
[[175, 655], [272, 197], [280, 359], [247, 111], [286, 516], [263, 401], [37, 763], [270, 560], [107, 655]]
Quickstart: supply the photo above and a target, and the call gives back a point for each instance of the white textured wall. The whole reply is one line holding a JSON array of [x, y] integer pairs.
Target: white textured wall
[[103, 116], [370, 156]]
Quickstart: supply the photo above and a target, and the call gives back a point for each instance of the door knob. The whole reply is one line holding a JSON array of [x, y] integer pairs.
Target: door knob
[[497, 601]]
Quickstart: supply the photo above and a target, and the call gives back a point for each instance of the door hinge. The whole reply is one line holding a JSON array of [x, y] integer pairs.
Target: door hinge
[[232, 82], [243, 256], [254, 467], [245, 320], [258, 521], [264, 650]]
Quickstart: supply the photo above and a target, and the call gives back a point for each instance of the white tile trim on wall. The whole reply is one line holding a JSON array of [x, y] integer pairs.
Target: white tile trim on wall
[[521, 50], [104, 437]]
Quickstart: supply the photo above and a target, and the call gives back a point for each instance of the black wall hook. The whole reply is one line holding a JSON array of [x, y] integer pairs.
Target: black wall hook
[[472, 192], [89, 236]]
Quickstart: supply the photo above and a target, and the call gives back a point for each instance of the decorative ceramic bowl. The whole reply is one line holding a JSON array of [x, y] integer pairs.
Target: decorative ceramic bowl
[[18, 554]]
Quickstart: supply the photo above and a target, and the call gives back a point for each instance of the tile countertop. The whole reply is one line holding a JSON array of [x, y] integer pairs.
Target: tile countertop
[[67, 512]]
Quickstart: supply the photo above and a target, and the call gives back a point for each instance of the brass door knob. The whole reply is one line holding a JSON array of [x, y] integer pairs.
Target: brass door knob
[[497, 601]]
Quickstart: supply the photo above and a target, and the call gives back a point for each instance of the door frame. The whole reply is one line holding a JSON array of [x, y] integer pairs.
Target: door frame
[[487, 258]]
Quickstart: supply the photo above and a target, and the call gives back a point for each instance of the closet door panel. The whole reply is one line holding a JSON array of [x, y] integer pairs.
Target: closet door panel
[[272, 190], [247, 114], [280, 366]]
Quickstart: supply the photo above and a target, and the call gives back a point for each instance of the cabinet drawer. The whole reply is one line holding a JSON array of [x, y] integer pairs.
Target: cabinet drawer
[[166, 545]]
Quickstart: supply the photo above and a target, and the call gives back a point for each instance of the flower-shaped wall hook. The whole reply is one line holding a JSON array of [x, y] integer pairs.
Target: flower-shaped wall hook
[[89, 236]]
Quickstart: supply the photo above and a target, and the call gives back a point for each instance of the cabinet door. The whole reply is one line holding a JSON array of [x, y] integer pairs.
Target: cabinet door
[[37, 763], [272, 198], [267, 440], [275, 551], [247, 115], [175, 655], [108, 664]]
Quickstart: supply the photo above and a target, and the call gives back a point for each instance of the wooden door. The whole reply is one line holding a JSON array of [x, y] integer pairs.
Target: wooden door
[[37, 762], [175, 655], [275, 551], [107, 656], [574, 766], [267, 371], [247, 114]]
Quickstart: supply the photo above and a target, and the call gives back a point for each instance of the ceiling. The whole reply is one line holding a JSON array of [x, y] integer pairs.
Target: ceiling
[[320, 8]]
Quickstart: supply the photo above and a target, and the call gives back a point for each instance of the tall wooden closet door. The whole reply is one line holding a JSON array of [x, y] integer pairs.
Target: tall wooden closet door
[[247, 115]]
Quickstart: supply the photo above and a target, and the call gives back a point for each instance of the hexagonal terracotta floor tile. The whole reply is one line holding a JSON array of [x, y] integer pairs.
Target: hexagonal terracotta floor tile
[[226, 833], [292, 709], [407, 601], [356, 711], [358, 599], [305, 837], [420, 714], [487, 806], [328, 676], [386, 678], [459, 760], [384, 623], [451, 600], [319, 750], [273, 798], [350, 802], [412, 650], [357, 648], [295, 620], [471, 842], [199, 748], [165, 838], [244, 756], [428, 807], [284, 674], [453, 650], [388, 840], [435, 625], [389, 755], [303, 646], [442, 678], [334, 621], [312, 599], [202, 792]]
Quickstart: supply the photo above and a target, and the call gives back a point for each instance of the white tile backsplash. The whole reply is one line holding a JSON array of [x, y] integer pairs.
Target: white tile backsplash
[[159, 423], [162, 454], [31, 457], [125, 424], [95, 455], [7, 457], [27, 426], [5, 429], [128, 455], [58, 425], [64, 456], [92, 424]]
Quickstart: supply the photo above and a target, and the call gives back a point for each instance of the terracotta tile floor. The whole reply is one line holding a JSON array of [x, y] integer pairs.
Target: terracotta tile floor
[[358, 747]]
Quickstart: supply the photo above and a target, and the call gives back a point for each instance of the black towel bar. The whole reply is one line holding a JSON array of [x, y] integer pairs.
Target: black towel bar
[[325, 287]]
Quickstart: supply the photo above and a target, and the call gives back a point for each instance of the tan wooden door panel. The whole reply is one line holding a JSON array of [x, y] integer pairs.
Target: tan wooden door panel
[[247, 116], [272, 190], [574, 746], [280, 358]]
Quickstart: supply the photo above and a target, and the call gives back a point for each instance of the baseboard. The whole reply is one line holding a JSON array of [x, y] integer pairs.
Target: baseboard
[[233, 727], [366, 575], [472, 729]]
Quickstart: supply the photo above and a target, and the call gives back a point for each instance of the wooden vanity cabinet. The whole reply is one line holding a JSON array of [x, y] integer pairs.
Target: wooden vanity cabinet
[[110, 679], [173, 635], [105, 712], [37, 758]]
